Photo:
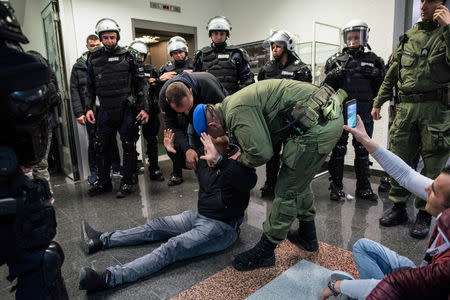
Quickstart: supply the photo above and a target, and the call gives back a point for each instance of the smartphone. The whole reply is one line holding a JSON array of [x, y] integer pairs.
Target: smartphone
[[350, 113]]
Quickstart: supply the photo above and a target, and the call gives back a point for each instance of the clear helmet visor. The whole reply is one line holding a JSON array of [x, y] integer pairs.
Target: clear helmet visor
[[356, 36], [177, 43]]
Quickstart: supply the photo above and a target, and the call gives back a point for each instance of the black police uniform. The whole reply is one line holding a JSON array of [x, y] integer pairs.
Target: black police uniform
[[151, 128], [360, 74], [117, 78], [228, 63], [27, 218], [293, 69], [206, 89], [78, 95]]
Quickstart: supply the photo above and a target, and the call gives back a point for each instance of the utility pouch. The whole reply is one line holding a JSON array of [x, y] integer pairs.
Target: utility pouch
[[332, 108]]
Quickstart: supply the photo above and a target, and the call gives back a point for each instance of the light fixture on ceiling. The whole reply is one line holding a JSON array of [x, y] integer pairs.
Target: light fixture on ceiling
[[149, 39]]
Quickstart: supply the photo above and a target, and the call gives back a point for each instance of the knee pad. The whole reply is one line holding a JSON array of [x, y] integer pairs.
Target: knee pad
[[360, 151], [339, 151], [52, 262], [129, 147]]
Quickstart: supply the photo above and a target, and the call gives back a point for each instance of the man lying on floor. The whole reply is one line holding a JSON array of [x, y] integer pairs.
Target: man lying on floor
[[223, 197]]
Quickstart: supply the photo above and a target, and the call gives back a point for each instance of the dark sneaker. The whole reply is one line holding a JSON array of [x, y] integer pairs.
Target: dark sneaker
[[90, 238], [124, 190], [175, 180], [156, 175], [305, 237], [268, 190], [395, 216], [366, 194], [260, 256], [100, 188], [421, 226], [93, 178], [336, 193], [91, 280]]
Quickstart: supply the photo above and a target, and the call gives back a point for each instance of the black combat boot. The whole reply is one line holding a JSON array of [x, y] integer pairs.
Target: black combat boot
[[260, 256], [385, 185], [100, 188], [175, 179], [363, 188], [156, 175], [421, 226], [90, 238], [124, 190], [305, 237], [91, 280], [336, 193], [395, 216]]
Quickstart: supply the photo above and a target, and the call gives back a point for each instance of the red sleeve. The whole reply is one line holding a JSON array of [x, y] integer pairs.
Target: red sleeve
[[429, 282]]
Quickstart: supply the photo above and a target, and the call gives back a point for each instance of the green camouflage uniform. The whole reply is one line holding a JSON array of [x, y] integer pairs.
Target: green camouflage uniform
[[422, 64], [252, 116]]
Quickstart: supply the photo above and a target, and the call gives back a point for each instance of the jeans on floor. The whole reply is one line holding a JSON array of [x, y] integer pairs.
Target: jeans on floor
[[190, 234], [374, 260]]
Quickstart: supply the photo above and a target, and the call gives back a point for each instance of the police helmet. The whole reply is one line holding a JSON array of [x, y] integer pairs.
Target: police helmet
[[356, 26], [281, 36], [107, 25], [9, 26], [177, 43], [219, 23], [140, 47]]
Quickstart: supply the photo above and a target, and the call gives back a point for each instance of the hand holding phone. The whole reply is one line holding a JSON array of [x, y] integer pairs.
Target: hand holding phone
[[350, 113]]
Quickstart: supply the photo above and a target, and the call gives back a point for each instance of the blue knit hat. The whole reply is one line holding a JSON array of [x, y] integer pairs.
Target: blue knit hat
[[199, 119]]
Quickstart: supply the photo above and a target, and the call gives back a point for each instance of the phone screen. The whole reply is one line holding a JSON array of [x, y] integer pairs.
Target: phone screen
[[351, 114]]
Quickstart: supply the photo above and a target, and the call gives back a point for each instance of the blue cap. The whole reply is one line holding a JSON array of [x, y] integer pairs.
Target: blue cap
[[199, 119]]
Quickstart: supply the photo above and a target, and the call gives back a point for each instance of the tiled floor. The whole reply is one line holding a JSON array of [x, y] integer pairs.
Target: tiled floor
[[338, 225]]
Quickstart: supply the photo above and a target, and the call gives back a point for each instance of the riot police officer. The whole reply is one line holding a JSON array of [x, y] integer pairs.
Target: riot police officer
[[27, 217], [285, 65], [151, 128], [228, 63], [116, 76], [178, 49], [78, 100], [359, 73], [422, 75]]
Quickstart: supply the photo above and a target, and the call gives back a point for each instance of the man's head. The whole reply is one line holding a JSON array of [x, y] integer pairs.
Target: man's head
[[282, 42], [177, 48], [218, 29], [92, 41], [205, 119], [427, 8], [180, 97], [109, 32], [439, 193], [356, 34], [140, 47]]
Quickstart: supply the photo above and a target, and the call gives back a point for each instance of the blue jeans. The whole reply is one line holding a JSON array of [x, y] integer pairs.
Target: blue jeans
[[190, 234], [374, 260]]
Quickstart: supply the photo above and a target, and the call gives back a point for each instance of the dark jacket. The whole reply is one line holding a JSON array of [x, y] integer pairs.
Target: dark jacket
[[429, 282], [78, 92], [206, 90], [224, 190], [293, 69]]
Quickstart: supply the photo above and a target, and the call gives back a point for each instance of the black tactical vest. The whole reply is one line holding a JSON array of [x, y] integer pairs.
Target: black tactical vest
[[112, 73], [177, 67], [221, 66], [355, 83], [274, 70]]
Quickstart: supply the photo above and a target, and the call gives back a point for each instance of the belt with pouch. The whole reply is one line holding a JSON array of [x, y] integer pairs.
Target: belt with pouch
[[439, 95]]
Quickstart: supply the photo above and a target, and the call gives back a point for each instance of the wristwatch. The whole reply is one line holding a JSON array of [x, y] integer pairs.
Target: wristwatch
[[331, 287]]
